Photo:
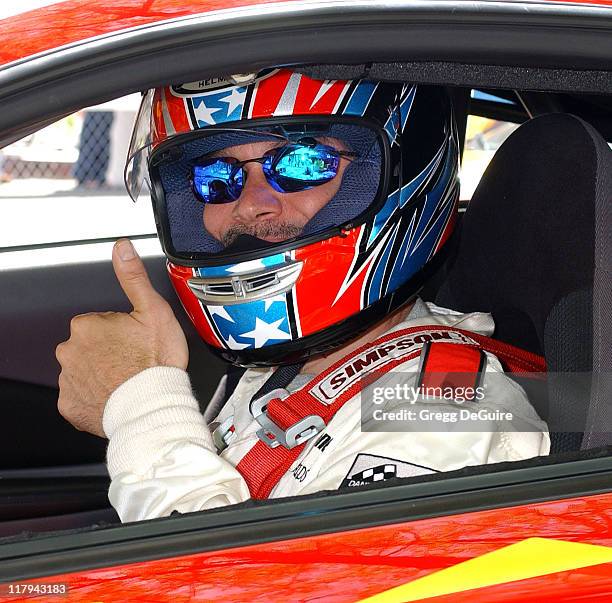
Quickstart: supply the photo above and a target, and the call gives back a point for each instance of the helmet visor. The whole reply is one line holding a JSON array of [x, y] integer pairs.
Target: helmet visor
[[328, 173], [136, 168]]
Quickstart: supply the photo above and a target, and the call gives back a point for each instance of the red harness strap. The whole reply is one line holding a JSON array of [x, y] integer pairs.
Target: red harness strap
[[263, 466], [449, 366]]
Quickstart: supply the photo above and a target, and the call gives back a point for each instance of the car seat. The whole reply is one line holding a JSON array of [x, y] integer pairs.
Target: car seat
[[535, 249]]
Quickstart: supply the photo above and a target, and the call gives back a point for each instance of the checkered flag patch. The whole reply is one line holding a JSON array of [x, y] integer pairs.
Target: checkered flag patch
[[376, 474], [372, 469]]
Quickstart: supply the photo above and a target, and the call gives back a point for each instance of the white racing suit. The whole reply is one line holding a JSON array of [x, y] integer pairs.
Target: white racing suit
[[162, 458]]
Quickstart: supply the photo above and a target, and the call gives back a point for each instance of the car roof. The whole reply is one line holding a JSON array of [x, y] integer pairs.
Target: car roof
[[74, 54], [71, 21]]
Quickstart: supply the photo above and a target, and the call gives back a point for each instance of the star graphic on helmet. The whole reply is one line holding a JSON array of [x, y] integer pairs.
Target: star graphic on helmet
[[234, 100], [203, 113], [264, 332], [232, 344]]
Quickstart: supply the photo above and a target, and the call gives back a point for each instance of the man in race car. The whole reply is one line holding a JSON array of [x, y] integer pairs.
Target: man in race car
[[299, 218]]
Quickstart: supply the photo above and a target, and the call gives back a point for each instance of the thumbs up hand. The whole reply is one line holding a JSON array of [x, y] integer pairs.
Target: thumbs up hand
[[106, 349]]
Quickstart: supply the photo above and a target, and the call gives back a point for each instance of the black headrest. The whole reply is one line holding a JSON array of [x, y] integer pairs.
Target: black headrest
[[534, 249]]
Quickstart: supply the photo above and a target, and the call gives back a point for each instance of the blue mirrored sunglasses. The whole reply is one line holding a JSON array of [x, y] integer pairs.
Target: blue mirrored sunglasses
[[291, 168]]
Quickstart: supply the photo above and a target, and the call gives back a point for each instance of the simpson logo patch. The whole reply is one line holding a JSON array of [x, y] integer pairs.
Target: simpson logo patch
[[374, 359], [370, 468]]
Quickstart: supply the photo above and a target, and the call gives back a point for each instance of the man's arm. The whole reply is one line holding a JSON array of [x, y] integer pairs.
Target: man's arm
[[123, 376], [161, 457], [105, 349]]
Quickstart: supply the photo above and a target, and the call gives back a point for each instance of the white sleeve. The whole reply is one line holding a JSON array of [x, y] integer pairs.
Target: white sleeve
[[161, 456]]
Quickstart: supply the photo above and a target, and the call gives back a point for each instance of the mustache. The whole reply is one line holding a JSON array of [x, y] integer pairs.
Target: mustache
[[276, 231]]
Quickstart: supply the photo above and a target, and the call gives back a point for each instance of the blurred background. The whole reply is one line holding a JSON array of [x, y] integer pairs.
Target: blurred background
[[64, 183], [78, 163]]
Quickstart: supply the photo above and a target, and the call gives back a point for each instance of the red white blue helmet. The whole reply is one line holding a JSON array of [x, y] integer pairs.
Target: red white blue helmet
[[359, 258]]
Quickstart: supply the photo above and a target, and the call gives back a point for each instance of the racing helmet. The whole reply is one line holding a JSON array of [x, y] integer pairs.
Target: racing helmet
[[362, 255]]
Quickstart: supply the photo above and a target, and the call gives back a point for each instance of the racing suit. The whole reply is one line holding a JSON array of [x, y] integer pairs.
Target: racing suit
[[162, 457]]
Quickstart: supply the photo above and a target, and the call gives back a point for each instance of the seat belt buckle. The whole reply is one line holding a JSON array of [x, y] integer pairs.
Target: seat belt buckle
[[273, 435], [223, 434]]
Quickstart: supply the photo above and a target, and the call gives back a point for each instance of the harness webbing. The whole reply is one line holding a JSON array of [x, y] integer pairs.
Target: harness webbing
[[263, 466]]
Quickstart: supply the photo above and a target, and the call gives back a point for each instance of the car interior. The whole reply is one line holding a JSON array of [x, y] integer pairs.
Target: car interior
[[533, 248], [543, 285]]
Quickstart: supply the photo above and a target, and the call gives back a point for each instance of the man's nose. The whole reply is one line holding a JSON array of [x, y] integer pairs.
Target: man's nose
[[258, 200]]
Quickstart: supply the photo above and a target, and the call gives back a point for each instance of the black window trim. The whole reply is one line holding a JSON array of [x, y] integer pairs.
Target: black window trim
[[467, 490], [520, 34]]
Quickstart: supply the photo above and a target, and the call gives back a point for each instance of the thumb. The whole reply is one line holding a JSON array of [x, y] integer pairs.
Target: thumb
[[133, 278]]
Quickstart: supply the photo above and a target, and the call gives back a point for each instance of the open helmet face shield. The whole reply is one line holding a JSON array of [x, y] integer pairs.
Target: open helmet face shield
[[360, 256]]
